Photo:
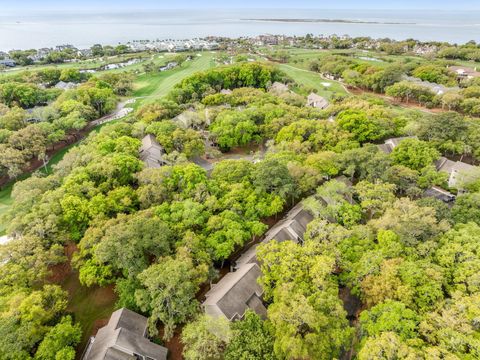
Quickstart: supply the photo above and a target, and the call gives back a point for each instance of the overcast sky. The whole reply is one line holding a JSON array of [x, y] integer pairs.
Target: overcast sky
[[223, 4]]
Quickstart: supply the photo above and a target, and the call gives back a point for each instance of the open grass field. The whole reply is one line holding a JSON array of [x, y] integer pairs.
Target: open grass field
[[325, 88], [157, 85]]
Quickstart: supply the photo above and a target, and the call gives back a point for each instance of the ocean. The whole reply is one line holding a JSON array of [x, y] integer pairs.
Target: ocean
[[83, 29]]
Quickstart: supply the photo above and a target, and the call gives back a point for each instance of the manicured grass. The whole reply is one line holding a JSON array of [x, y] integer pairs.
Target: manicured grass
[[313, 80], [5, 203], [91, 306], [157, 85]]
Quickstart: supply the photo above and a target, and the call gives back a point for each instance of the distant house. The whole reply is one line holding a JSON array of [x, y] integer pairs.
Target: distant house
[[8, 63], [278, 87], [169, 66], [151, 152], [65, 85], [465, 72], [391, 144], [456, 170], [317, 101], [235, 293], [124, 338]]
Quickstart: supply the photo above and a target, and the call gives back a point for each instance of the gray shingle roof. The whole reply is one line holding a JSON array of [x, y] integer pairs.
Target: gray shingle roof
[[151, 152], [455, 169], [122, 337], [317, 101], [392, 143], [235, 294]]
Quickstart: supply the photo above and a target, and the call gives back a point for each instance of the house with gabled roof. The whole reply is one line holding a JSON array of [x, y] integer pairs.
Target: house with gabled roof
[[235, 293], [279, 87], [317, 101], [151, 152], [392, 143], [124, 338], [456, 170]]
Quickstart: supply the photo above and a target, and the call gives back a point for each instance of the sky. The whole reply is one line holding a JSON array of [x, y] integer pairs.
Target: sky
[[226, 4]]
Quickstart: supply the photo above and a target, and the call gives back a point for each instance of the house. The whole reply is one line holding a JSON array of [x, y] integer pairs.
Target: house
[[292, 227], [278, 87], [8, 63], [440, 194], [317, 101], [463, 72], [169, 66], [456, 170], [62, 85], [124, 338], [392, 143], [151, 152], [235, 293]]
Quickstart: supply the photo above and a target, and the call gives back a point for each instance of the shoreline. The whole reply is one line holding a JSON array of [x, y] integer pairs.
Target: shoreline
[[335, 21]]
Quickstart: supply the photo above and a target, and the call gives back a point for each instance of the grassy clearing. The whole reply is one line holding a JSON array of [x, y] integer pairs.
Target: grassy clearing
[[157, 85], [313, 80], [91, 306]]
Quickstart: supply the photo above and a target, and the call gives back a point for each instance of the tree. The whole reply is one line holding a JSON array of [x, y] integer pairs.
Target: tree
[[12, 161], [357, 122], [387, 346], [251, 339], [271, 176], [169, 292], [375, 198], [415, 154], [206, 338], [391, 316], [459, 255], [308, 326], [411, 222], [60, 341], [466, 208]]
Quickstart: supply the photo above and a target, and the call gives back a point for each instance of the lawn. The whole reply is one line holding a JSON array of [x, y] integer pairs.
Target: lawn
[[157, 85], [313, 80]]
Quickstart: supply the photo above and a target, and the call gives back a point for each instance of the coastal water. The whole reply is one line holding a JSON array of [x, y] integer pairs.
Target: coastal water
[[46, 29]]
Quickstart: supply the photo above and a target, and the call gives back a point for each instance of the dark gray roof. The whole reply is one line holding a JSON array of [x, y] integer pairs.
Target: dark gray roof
[[392, 143], [439, 194], [455, 169], [317, 101], [122, 337], [235, 293], [151, 152]]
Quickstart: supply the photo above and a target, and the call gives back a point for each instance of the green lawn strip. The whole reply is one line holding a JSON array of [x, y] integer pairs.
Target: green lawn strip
[[88, 304], [313, 80]]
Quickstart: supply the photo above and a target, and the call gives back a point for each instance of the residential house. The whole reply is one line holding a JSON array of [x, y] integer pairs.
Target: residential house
[[62, 85], [169, 66], [151, 152], [392, 143], [235, 293], [278, 87], [456, 170], [8, 63], [465, 72], [124, 338], [292, 227], [317, 101], [239, 290]]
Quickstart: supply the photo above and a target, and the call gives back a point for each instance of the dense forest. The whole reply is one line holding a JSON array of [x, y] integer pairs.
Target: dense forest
[[160, 235]]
